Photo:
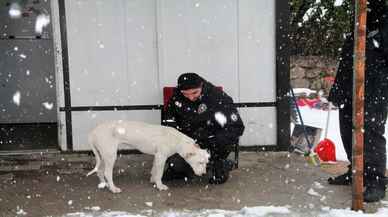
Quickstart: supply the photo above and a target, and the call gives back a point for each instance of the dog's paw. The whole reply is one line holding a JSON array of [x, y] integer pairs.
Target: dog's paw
[[115, 190], [102, 185], [162, 187]]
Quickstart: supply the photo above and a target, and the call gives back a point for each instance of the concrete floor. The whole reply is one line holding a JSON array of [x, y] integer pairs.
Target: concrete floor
[[56, 185]]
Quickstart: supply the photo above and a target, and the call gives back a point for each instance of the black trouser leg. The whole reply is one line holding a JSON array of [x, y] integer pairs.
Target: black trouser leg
[[374, 141], [375, 116], [345, 121], [219, 151]]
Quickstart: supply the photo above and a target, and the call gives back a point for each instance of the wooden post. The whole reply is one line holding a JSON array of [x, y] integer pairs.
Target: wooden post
[[358, 104]]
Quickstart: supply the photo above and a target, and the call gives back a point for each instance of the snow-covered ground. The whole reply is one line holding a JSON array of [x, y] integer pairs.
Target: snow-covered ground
[[259, 211]]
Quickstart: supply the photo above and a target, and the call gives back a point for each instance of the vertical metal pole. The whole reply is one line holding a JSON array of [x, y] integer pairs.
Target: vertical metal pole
[[66, 77], [358, 104]]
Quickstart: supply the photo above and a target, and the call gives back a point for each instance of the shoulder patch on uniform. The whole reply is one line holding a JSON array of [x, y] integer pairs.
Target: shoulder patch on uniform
[[233, 117]]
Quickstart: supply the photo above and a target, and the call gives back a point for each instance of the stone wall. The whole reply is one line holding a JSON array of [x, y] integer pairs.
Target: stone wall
[[312, 72]]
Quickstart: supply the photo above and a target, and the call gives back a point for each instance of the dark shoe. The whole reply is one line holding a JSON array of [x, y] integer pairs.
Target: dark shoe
[[344, 179], [219, 178], [374, 193], [229, 164], [219, 172]]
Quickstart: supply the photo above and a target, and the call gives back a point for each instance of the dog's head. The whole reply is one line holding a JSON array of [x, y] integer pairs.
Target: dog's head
[[198, 159]]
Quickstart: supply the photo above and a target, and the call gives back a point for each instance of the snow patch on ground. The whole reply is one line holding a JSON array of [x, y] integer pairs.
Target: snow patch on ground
[[244, 212], [259, 211]]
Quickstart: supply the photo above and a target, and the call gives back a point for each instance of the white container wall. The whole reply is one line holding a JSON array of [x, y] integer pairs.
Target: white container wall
[[122, 53]]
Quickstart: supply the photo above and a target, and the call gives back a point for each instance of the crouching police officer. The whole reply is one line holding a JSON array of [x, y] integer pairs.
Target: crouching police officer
[[207, 114]]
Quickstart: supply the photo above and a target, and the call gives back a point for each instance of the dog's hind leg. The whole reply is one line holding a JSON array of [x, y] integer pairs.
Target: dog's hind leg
[[99, 167], [157, 171], [100, 170], [100, 174], [96, 156], [109, 160]]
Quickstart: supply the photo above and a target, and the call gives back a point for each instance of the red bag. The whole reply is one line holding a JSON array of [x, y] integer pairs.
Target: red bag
[[325, 150]]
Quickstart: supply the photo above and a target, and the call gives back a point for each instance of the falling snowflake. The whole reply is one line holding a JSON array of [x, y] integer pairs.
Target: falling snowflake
[[16, 98], [15, 11], [376, 43], [42, 20], [48, 105], [220, 118], [338, 3], [178, 104], [121, 131]]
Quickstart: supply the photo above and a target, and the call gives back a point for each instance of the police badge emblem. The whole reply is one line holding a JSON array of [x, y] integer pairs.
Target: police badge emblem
[[202, 108]]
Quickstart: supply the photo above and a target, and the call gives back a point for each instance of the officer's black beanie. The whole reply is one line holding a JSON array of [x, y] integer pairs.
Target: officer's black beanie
[[189, 80]]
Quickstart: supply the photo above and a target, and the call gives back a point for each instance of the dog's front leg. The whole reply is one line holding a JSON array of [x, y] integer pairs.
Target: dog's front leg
[[157, 171]]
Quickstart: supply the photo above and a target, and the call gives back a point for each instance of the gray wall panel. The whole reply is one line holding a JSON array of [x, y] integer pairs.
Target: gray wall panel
[[112, 52], [96, 53], [199, 36], [257, 70], [141, 52], [260, 126]]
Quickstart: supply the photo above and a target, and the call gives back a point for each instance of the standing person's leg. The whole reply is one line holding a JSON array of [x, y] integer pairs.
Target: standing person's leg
[[346, 125], [376, 103], [345, 122]]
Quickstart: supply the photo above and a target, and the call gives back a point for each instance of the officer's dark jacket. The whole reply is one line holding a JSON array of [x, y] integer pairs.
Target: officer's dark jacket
[[198, 119]]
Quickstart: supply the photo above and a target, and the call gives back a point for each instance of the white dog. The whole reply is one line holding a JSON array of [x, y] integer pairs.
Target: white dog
[[160, 141]]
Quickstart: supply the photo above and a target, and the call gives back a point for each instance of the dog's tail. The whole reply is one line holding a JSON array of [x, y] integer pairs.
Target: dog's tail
[[96, 154]]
